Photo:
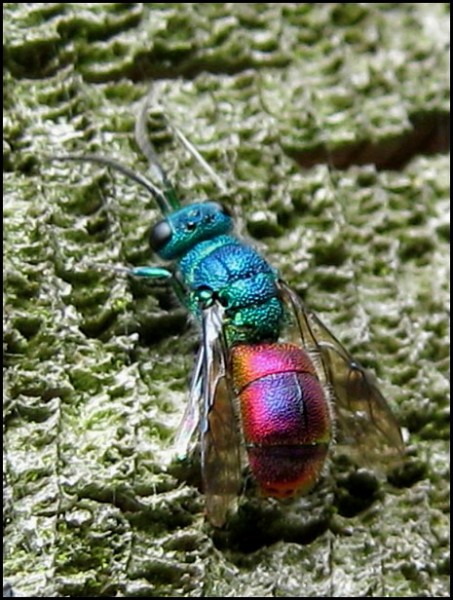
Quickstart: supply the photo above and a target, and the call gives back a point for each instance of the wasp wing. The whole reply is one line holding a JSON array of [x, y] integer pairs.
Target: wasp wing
[[367, 427], [220, 432], [210, 418], [188, 433]]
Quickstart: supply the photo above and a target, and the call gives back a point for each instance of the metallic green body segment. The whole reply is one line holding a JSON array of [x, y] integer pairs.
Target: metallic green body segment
[[226, 271], [191, 225], [213, 266], [255, 323]]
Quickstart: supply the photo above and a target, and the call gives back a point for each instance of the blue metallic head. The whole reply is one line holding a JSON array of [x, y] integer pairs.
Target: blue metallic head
[[172, 237]]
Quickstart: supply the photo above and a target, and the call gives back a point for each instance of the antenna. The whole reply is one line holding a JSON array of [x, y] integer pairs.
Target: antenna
[[194, 152], [156, 192], [148, 150]]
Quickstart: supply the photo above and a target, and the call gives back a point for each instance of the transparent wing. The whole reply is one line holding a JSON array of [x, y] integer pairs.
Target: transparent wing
[[220, 433], [366, 425], [187, 435], [210, 418]]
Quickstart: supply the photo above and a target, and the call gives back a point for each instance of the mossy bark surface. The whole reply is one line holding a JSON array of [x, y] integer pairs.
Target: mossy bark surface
[[329, 125]]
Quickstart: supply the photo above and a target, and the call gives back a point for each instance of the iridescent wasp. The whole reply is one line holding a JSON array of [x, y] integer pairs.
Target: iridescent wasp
[[271, 383]]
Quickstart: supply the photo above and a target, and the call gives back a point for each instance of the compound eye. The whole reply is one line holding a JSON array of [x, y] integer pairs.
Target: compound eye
[[160, 235]]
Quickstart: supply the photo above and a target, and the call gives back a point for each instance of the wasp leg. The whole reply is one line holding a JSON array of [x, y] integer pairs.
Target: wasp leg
[[162, 274], [151, 272]]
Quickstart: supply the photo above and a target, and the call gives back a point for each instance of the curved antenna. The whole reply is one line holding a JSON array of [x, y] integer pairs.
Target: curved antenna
[[197, 156], [156, 169], [157, 193]]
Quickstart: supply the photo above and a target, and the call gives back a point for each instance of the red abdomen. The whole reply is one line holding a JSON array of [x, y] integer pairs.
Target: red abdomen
[[285, 416]]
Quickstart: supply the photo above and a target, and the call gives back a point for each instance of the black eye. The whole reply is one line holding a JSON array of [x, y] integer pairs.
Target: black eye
[[160, 235]]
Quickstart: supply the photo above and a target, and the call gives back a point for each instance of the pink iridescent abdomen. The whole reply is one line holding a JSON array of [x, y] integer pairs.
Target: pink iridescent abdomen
[[285, 416]]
